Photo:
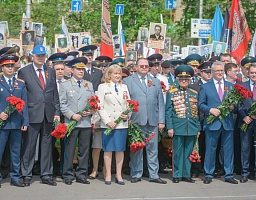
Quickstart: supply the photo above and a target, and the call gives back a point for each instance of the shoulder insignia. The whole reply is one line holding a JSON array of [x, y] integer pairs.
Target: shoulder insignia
[[199, 77], [193, 90], [173, 90], [18, 79]]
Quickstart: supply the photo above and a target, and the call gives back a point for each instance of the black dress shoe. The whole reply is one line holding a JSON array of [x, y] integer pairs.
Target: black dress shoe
[[175, 180], [135, 180], [158, 180], [82, 180], [67, 181], [187, 179], [195, 175], [244, 179], [49, 181], [231, 180], [207, 180], [26, 182], [251, 177], [17, 184]]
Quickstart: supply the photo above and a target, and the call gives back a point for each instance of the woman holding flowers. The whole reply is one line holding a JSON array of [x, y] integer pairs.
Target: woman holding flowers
[[182, 122], [113, 96]]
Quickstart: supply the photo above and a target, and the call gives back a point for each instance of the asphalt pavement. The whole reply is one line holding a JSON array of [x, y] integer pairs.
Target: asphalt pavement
[[97, 190]]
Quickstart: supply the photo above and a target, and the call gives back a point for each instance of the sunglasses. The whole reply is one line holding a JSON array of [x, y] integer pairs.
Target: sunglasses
[[143, 66]]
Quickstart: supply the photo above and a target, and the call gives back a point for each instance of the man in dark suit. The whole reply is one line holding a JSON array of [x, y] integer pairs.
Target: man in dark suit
[[14, 123], [43, 108], [148, 92], [157, 35], [210, 97], [91, 73], [247, 136], [205, 70]]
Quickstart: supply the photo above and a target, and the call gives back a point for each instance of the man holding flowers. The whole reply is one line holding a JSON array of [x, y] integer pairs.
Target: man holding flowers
[[210, 97], [15, 121], [74, 94], [147, 91]]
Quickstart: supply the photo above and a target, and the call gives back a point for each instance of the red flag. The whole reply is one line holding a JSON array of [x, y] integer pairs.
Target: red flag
[[240, 31], [106, 44]]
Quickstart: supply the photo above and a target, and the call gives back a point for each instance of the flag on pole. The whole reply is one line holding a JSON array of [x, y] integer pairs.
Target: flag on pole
[[217, 24], [64, 30], [121, 32], [239, 30], [224, 32], [253, 46], [106, 44]]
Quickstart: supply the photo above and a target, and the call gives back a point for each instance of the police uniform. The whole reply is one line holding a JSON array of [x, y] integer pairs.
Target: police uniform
[[11, 128], [73, 95], [182, 117], [193, 60]]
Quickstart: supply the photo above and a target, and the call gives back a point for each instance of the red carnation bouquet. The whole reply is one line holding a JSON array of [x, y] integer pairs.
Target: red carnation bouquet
[[163, 86], [194, 157], [234, 97], [132, 107], [14, 103], [60, 130], [252, 112], [92, 104], [136, 139]]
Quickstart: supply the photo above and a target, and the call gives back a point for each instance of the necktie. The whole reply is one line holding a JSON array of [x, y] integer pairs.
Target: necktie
[[254, 91], [79, 83], [193, 80], [116, 88], [220, 91], [10, 83], [143, 83], [88, 71], [41, 78]]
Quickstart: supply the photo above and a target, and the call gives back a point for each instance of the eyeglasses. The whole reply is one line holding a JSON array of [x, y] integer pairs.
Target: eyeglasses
[[143, 66], [218, 71]]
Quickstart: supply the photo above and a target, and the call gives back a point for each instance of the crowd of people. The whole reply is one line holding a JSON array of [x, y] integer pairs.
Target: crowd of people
[[174, 96]]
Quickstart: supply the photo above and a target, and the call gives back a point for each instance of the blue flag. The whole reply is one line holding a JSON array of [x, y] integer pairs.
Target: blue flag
[[217, 25]]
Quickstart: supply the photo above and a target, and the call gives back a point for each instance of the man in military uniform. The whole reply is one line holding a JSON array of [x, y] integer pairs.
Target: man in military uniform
[[73, 94], [103, 63], [194, 60], [206, 73], [245, 62], [91, 74], [182, 123], [16, 122]]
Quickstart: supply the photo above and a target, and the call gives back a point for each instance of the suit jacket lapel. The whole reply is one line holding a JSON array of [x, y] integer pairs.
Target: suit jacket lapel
[[6, 85], [138, 82], [34, 75], [212, 85]]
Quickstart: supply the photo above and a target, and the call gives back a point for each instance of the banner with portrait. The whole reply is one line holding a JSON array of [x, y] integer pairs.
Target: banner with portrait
[[38, 28], [61, 42], [85, 38], [116, 43], [75, 40], [156, 35]]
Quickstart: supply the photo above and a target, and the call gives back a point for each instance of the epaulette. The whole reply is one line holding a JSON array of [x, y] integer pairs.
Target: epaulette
[[193, 90], [173, 90], [18, 79], [199, 77]]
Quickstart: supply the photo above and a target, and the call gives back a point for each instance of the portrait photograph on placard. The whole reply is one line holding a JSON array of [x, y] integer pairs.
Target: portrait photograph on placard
[[131, 56], [218, 48], [14, 42], [156, 35], [139, 47], [6, 27], [167, 45], [116, 43], [39, 40], [143, 34], [192, 49], [205, 51], [38, 28], [75, 40], [85, 38], [61, 41], [26, 24], [28, 37], [2, 35], [176, 48]]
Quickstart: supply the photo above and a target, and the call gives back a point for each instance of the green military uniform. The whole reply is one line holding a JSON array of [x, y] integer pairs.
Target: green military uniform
[[193, 60], [182, 117]]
